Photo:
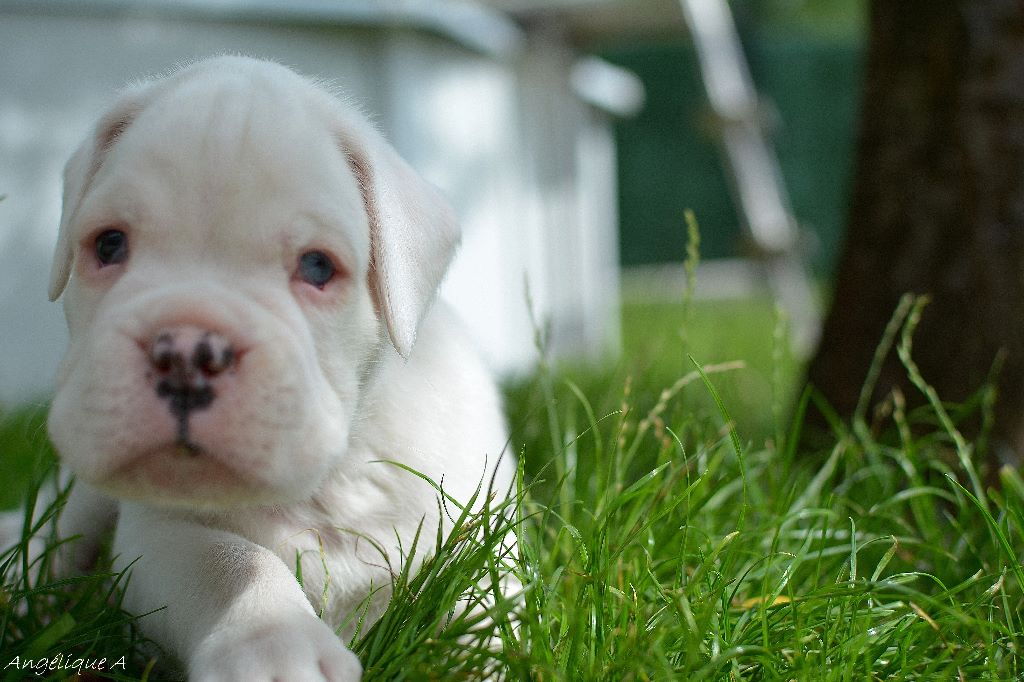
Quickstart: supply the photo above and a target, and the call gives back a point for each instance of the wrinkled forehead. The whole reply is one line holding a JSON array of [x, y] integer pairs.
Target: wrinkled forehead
[[216, 149]]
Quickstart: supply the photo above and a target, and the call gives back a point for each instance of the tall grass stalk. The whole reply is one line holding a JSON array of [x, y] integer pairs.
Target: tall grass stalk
[[653, 542]]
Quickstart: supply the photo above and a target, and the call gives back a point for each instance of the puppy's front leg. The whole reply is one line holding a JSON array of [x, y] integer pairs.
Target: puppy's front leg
[[87, 516], [233, 609]]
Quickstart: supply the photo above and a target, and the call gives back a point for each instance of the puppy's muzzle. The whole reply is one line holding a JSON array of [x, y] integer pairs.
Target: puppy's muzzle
[[186, 362]]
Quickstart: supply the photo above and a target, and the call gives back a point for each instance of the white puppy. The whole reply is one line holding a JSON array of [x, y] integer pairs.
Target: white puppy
[[248, 272]]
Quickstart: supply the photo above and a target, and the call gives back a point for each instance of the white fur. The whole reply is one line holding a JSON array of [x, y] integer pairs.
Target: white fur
[[221, 175]]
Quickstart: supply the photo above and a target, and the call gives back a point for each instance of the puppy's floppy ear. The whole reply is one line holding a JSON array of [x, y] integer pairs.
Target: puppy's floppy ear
[[81, 168], [413, 232]]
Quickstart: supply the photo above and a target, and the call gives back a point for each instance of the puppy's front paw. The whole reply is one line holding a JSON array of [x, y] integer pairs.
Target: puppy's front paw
[[299, 648]]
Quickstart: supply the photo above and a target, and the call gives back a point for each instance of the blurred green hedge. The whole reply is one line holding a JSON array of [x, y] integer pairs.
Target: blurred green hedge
[[669, 159]]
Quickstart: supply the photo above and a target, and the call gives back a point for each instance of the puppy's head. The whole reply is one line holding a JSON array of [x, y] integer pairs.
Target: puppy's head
[[233, 246]]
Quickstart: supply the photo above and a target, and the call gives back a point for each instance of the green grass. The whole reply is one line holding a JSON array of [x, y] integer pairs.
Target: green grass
[[669, 527], [25, 452]]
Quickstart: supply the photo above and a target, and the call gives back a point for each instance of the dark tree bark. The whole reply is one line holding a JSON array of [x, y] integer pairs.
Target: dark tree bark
[[937, 206]]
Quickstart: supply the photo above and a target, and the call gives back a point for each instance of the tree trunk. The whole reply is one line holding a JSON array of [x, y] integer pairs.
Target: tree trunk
[[937, 207]]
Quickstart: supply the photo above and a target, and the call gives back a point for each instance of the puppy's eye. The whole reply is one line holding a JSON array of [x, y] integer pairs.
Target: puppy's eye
[[111, 247], [316, 268]]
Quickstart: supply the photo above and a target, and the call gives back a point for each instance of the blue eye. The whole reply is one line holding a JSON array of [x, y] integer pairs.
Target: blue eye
[[316, 268], [111, 247]]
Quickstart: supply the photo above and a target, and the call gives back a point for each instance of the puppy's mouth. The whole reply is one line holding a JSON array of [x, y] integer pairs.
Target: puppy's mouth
[[182, 471]]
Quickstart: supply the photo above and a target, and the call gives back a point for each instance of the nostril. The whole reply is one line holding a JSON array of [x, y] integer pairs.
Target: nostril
[[187, 354], [212, 354], [162, 354]]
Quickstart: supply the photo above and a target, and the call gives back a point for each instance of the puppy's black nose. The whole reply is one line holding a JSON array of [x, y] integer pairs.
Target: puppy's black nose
[[184, 361]]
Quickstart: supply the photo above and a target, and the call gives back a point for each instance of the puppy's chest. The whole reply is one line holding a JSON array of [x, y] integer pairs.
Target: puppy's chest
[[337, 571], [346, 570]]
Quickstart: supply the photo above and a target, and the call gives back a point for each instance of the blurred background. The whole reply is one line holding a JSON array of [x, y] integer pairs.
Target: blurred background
[[753, 186], [571, 135]]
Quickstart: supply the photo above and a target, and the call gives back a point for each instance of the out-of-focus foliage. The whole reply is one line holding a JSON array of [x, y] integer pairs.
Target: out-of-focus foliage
[[834, 19]]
